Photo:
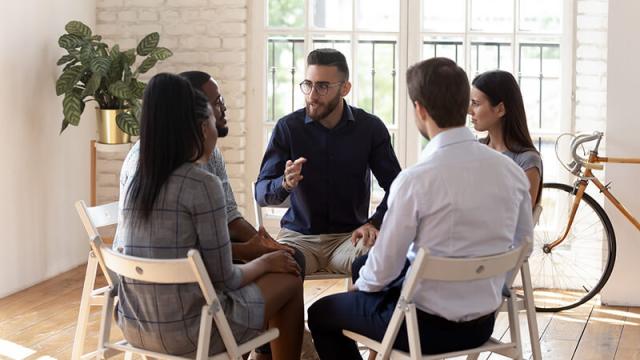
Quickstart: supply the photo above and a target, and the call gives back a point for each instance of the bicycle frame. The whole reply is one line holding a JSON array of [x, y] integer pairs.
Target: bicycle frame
[[594, 163]]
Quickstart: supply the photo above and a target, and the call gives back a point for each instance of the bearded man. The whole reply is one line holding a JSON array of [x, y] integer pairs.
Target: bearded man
[[321, 157]]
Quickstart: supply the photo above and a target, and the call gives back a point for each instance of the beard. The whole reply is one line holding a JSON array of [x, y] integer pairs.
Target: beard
[[222, 131], [321, 111]]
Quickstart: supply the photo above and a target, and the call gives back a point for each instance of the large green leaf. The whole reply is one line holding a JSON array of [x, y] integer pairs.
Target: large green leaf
[[127, 75], [128, 123], [100, 65], [115, 70], [146, 65], [148, 43], [120, 90], [86, 54], [102, 49], [72, 107], [92, 85], [70, 41], [65, 124], [137, 88], [70, 65], [65, 59], [161, 53], [68, 79], [115, 51], [78, 28], [129, 56]]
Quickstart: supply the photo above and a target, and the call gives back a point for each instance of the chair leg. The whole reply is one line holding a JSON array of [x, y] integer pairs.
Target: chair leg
[[105, 324], [206, 319], [413, 333], [514, 327], [85, 307], [347, 282], [530, 308]]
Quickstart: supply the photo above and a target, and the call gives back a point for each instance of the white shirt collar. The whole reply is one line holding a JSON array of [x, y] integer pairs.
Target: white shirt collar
[[447, 137]]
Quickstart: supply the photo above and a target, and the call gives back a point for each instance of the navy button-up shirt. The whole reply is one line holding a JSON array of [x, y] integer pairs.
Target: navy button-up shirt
[[334, 195]]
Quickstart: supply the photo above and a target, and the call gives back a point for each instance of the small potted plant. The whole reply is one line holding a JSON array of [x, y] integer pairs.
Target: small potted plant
[[93, 71]]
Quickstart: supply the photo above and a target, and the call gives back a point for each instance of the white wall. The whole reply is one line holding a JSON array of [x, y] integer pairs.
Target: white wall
[[623, 131], [43, 173]]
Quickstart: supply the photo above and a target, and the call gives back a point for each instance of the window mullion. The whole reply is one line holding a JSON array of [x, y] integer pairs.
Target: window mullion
[[514, 37]]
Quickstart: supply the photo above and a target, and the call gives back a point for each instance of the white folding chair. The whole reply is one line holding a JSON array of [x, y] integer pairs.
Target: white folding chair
[[320, 275], [170, 271], [92, 218], [428, 267]]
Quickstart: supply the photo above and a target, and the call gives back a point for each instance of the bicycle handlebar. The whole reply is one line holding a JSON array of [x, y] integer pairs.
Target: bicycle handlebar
[[577, 142]]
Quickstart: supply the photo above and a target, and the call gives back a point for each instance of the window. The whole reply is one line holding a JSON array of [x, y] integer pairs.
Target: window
[[381, 38]]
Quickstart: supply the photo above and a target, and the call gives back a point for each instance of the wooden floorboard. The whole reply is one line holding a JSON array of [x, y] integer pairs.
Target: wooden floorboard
[[39, 323]]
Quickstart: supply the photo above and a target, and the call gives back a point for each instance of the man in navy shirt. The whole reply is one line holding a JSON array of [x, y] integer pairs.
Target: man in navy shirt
[[321, 157]]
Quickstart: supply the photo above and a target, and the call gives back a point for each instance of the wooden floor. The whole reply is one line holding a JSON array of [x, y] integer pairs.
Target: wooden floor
[[39, 323]]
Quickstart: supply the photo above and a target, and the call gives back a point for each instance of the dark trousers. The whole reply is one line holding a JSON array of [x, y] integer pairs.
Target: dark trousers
[[369, 314]]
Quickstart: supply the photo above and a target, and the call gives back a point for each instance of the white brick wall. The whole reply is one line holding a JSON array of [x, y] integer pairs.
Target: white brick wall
[[591, 65], [207, 35], [108, 166]]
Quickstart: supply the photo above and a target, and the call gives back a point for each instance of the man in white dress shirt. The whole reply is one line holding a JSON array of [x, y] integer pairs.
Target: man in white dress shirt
[[462, 199]]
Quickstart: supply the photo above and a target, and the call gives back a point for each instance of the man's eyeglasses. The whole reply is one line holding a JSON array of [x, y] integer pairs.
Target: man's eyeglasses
[[321, 87]]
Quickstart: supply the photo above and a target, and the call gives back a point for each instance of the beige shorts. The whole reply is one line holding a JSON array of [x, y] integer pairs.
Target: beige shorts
[[327, 252]]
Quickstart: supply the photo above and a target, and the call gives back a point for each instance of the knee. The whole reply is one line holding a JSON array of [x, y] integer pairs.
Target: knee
[[319, 312], [295, 286]]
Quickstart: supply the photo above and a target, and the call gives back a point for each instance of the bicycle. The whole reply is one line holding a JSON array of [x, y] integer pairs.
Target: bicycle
[[574, 242]]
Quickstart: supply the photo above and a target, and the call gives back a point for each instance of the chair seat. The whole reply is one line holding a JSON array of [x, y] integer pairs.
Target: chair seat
[[492, 345], [267, 336]]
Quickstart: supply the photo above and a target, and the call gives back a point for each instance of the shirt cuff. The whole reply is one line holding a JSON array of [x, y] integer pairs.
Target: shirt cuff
[[376, 220], [280, 190], [233, 215]]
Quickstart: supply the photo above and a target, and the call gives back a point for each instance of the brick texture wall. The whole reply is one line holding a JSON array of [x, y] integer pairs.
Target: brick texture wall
[[591, 65], [207, 35]]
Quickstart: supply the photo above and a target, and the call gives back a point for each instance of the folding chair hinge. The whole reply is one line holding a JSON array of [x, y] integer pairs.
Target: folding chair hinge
[[215, 307], [402, 304]]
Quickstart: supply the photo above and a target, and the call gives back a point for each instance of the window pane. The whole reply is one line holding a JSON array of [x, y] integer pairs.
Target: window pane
[[377, 78], [550, 116], [530, 87], [551, 63], [340, 43], [530, 61], [490, 55], [285, 70], [286, 13], [492, 15], [331, 14], [378, 15], [443, 16], [449, 47], [541, 15]]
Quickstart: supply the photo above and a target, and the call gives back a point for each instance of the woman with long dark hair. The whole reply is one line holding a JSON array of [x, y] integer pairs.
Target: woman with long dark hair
[[172, 205], [497, 107]]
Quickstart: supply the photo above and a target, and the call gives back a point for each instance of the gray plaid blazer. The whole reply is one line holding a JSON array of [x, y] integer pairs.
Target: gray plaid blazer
[[189, 212]]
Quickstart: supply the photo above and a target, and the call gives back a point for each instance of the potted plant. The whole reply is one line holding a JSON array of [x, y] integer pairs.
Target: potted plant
[[93, 71]]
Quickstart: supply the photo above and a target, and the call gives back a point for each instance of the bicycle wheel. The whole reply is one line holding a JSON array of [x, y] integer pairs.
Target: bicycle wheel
[[573, 272]]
